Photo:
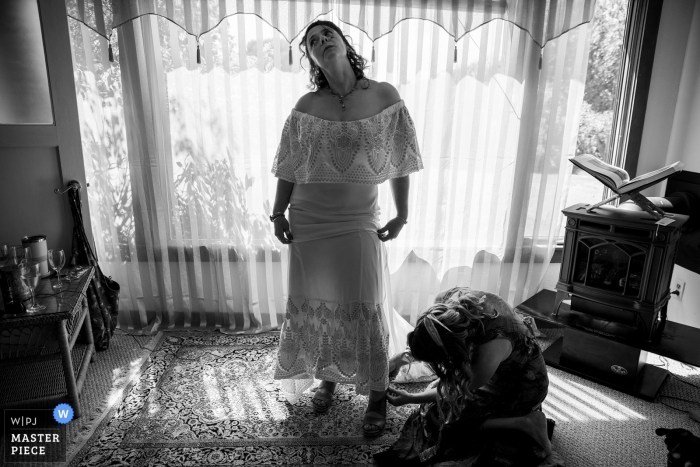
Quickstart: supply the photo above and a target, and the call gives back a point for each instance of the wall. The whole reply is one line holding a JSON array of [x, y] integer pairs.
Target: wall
[[664, 89], [684, 144], [27, 180], [679, 36]]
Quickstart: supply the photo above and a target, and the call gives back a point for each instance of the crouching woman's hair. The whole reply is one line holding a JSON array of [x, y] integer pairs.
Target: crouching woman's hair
[[444, 338]]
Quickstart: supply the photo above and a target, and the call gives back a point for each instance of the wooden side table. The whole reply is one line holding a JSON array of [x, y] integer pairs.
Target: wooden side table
[[33, 344]]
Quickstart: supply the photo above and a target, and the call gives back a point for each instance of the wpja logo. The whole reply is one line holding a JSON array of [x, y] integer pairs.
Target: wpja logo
[[36, 435], [620, 370]]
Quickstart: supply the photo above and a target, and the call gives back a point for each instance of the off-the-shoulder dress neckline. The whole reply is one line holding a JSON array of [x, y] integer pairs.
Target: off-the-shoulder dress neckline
[[389, 109]]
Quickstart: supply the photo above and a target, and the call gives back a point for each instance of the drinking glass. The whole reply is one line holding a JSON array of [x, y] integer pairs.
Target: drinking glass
[[27, 254], [4, 253], [16, 254], [57, 259], [31, 273]]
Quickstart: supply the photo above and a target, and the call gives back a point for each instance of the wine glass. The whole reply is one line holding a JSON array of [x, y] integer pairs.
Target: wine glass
[[30, 274], [4, 253], [27, 254], [57, 259], [15, 254]]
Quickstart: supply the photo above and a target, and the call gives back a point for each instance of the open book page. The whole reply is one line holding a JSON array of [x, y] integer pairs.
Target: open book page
[[651, 178], [611, 176], [618, 179]]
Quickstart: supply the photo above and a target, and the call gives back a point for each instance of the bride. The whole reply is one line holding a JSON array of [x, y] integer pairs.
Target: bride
[[340, 142]]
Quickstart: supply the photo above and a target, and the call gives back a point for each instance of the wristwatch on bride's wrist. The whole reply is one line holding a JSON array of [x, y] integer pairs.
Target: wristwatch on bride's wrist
[[275, 216]]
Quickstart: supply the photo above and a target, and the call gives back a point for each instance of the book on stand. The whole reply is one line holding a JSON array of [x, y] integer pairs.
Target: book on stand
[[618, 180]]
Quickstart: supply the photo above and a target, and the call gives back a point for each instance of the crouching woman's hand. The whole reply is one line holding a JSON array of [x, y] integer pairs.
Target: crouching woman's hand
[[397, 397]]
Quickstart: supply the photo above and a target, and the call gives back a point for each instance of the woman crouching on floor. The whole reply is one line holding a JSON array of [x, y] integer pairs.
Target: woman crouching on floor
[[492, 380]]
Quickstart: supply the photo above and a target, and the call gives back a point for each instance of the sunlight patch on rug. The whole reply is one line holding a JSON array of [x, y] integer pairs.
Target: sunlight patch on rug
[[567, 399]]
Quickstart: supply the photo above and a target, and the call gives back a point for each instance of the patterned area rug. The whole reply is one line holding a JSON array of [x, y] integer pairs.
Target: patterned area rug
[[210, 399], [207, 398]]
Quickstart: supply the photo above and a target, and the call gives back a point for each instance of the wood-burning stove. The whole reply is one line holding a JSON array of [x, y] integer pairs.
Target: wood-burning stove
[[616, 270], [616, 267]]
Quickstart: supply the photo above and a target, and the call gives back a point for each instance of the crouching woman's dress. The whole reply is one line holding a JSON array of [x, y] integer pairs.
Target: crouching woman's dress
[[518, 387], [339, 324]]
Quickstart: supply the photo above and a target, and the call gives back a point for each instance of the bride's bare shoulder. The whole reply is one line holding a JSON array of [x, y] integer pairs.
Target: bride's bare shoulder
[[307, 102], [384, 92]]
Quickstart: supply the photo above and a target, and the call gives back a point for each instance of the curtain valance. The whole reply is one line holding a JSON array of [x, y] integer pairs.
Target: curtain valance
[[198, 17], [542, 20]]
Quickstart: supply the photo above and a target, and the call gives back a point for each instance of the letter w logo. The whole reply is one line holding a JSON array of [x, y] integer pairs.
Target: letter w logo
[[63, 414]]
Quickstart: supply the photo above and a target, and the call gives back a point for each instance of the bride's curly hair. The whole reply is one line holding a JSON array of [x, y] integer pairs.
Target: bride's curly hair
[[444, 338], [316, 76]]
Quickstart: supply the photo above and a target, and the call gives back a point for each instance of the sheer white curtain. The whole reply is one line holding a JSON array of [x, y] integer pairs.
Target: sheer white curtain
[[178, 153]]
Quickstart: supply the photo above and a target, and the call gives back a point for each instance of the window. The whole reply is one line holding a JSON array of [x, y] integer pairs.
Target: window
[[602, 85]]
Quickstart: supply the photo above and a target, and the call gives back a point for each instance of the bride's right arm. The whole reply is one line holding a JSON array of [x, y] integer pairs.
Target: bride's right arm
[[282, 197]]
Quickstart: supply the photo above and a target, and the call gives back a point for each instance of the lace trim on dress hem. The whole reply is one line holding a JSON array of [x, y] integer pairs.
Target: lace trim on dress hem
[[363, 389], [301, 299], [346, 343]]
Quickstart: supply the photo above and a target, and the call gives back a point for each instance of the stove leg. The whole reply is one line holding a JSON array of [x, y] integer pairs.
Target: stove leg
[[560, 297]]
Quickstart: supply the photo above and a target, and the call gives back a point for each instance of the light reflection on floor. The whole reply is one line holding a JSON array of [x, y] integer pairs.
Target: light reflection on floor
[[119, 377], [211, 387], [242, 401], [568, 400], [675, 367]]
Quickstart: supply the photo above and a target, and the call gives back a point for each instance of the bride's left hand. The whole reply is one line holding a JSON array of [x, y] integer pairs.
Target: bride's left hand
[[391, 230]]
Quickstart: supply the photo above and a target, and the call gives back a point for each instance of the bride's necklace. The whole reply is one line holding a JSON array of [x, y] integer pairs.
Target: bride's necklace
[[342, 98]]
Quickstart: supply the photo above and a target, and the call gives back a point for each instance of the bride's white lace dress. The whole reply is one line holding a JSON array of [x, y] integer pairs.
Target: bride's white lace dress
[[339, 323]]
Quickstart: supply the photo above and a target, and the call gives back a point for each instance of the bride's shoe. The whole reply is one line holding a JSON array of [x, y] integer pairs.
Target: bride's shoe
[[374, 422], [323, 398]]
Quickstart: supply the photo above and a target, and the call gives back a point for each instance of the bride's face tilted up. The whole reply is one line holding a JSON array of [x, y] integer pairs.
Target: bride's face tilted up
[[324, 45]]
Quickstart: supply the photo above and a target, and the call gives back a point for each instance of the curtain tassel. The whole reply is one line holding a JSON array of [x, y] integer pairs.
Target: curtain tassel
[[290, 55], [198, 57], [455, 53], [110, 54], [372, 53]]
